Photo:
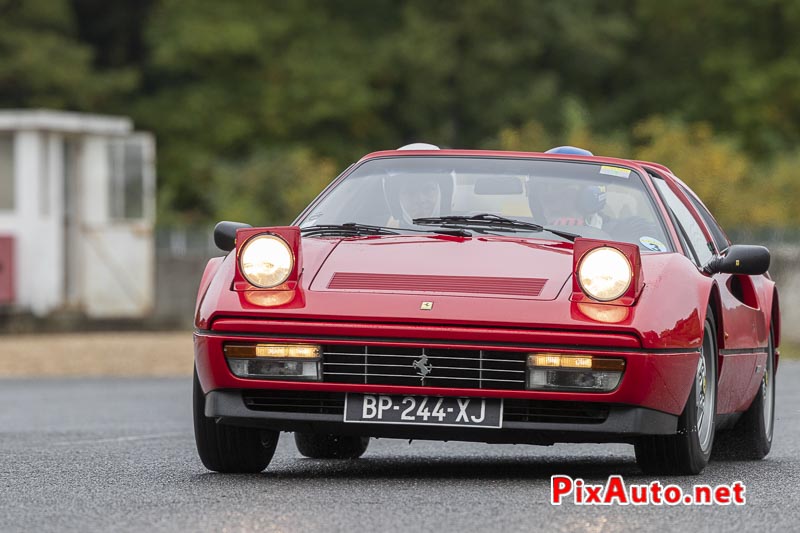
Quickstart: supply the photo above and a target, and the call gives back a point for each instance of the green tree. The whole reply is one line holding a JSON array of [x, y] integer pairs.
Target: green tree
[[43, 63], [461, 72], [712, 165], [243, 86], [279, 185], [735, 66], [228, 80]]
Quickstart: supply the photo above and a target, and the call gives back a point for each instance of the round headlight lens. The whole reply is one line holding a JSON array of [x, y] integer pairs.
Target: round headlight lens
[[604, 274], [266, 261]]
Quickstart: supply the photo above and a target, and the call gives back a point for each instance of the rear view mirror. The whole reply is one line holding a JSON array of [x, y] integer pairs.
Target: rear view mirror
[[741, 259], [498, 185], [225, 234]]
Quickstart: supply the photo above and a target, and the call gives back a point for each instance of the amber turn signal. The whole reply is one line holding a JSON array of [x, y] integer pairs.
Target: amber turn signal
[[576, 361], [278, 351]]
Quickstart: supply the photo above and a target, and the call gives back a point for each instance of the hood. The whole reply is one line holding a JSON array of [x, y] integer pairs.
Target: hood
[[361, 287], [492, 267]]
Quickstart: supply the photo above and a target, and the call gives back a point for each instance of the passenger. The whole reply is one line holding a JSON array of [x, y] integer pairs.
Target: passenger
[[591, 201]]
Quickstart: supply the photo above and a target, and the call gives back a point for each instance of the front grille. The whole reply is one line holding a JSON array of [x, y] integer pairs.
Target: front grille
[[555, 412], [468, 369], [514, 410], [330, 403]]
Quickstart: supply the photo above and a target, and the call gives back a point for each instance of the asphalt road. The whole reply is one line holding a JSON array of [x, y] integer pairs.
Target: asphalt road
[[118, 454]]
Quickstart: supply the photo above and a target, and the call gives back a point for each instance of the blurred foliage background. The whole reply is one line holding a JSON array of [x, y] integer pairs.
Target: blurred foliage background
[[258, 104]]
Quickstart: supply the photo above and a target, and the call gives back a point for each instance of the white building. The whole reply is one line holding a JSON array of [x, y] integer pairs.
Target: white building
[[77, 207]]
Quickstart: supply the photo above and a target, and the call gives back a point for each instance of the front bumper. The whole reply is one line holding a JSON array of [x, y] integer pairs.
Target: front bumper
[[524, 421], [652, 393]]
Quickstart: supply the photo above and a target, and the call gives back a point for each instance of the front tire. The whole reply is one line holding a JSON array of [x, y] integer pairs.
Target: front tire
[[321, 446], [688, 451], [230, 449]]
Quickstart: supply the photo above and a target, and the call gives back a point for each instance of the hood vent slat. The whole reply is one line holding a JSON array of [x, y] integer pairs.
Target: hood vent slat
[[355, 281]]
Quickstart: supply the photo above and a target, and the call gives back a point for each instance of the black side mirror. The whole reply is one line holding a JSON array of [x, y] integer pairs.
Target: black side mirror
[[741, 259], [225, 234]]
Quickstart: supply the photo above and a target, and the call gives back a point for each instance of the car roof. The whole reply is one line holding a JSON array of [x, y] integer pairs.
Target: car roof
[[509, 155]]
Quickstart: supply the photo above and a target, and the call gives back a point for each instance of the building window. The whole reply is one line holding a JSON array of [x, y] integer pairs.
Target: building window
[[127, 173], [6, 172]]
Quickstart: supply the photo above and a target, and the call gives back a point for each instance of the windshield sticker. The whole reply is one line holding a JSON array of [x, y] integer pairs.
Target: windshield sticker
[[615, 171], [653, 244]]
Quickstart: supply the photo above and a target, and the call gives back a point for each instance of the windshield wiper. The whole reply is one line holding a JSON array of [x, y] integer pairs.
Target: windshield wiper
[[490, 221], [356, 229], [348, 228]]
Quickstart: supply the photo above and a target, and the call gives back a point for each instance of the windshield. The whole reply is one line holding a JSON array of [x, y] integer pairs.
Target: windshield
[[587, 199]]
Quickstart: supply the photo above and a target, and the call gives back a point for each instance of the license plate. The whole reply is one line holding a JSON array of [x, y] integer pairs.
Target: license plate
[[423, 410]]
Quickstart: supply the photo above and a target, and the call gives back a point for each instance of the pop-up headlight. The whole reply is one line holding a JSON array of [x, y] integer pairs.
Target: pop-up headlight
[[266, 261], [604, 274]]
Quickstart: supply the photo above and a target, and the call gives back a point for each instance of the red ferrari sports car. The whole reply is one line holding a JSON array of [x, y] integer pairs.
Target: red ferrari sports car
[[499, 297]]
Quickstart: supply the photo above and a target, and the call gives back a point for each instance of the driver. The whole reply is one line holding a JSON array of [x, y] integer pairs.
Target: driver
[[419, 197]]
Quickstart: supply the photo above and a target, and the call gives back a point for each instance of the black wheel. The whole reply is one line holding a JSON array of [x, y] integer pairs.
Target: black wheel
[[688, 451], [751, 437], [321, 446], [230, 449]]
